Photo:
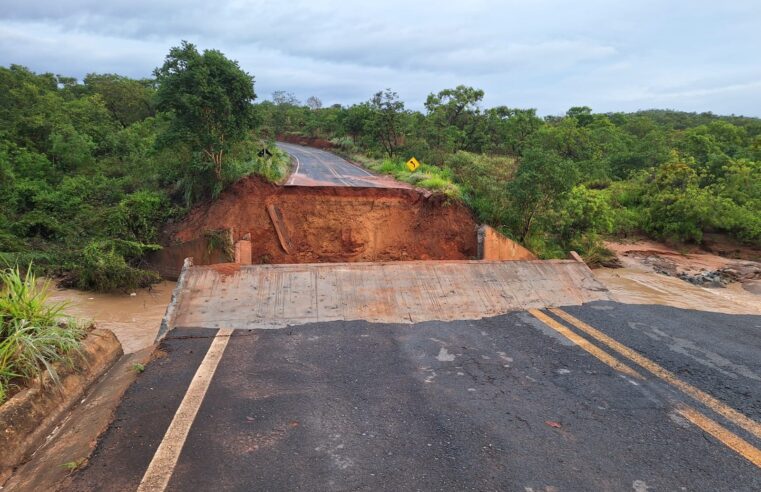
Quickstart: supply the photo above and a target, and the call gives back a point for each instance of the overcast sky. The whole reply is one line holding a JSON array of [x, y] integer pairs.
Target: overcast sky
[[612, 55]]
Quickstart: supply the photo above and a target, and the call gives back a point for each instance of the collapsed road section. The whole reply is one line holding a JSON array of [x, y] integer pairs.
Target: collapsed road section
[[290, 224], [345, 338]]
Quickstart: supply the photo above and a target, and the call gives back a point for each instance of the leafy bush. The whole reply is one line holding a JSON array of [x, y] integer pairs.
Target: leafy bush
[[593, 251], [541, 182], [139, 216], [346, 144], [485, 180], [273, 168], [582, 211], [34, 334], [104, 266]]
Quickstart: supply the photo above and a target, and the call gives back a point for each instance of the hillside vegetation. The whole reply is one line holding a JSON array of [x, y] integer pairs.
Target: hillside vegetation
[[90, 171]]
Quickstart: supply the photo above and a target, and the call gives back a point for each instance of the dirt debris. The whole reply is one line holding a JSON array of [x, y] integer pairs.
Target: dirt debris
[[318, 143], [693, 265], [654, 273]]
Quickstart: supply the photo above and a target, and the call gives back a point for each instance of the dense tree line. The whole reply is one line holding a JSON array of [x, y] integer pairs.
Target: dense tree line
[[90, 171], [559, 182]]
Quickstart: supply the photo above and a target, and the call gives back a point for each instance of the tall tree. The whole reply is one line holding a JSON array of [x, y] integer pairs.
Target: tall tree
[[287, 114], [509, 129], [210, 99], [455, 118], [356, 119], [388, 111], [314, 102], [542, 179]]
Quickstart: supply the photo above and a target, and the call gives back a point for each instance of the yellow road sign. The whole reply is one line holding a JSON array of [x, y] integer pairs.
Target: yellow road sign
[[412, 164]]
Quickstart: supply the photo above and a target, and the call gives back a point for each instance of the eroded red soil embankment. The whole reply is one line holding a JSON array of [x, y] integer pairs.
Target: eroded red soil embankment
[[324, 224], [319, 143]]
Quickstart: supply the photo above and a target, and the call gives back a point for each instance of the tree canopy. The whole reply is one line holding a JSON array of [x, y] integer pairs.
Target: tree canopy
[[209, 97]]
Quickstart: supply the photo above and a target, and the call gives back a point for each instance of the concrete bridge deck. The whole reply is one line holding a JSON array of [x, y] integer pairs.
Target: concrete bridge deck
[[274, 296]]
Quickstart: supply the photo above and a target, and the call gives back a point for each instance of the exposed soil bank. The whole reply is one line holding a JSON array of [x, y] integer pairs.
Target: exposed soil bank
[[319, 143], [323, 224]]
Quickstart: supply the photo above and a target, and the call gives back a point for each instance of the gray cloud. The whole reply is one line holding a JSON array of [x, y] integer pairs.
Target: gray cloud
[[611, 55]]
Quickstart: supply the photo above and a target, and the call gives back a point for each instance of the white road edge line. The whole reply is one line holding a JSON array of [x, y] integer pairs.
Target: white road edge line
[[162, 465], [298, 166], [360, 168]]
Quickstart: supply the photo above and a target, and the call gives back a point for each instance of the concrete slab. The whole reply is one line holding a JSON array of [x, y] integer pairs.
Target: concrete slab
[[275, 296]]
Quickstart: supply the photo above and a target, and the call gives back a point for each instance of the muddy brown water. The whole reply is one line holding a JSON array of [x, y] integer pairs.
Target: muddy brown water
[[134, 319]]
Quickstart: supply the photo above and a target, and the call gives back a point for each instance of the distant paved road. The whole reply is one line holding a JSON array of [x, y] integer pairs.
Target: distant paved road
[[315, 167], [603, 396]]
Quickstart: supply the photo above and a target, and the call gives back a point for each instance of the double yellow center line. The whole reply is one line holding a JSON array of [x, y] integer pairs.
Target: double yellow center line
[[729, 439]]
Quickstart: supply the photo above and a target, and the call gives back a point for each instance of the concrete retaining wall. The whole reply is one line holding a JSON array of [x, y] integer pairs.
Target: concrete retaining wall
[[494, 246]]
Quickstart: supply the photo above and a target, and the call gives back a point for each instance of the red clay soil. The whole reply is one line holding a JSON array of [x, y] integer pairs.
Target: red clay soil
[[226, 269], [319, 143], [326, 224]]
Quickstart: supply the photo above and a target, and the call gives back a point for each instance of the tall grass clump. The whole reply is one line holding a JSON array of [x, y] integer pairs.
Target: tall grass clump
[[427, 176], [34, 334]]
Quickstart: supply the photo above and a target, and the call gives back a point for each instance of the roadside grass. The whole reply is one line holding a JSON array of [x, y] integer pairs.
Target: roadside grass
[[34, 334], [274, 168], [430, 177]]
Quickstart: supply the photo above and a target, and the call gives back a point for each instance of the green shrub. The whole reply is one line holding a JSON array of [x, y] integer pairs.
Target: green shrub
[[583, 211], [346, 144], [104, 266], [139, 216], [273, 168], [594, 252]]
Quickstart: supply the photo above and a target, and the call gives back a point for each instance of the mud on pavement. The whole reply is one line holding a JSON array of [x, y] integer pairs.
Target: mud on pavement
[[323, 224]]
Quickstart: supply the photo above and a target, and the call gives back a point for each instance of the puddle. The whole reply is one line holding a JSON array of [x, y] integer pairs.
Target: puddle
[[134, 320]]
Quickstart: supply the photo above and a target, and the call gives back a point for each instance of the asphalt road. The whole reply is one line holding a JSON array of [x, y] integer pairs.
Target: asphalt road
[[504, 403], [315, 167]]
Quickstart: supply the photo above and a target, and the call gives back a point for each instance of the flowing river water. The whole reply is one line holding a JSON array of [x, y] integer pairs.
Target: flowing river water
[[134, 319]]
